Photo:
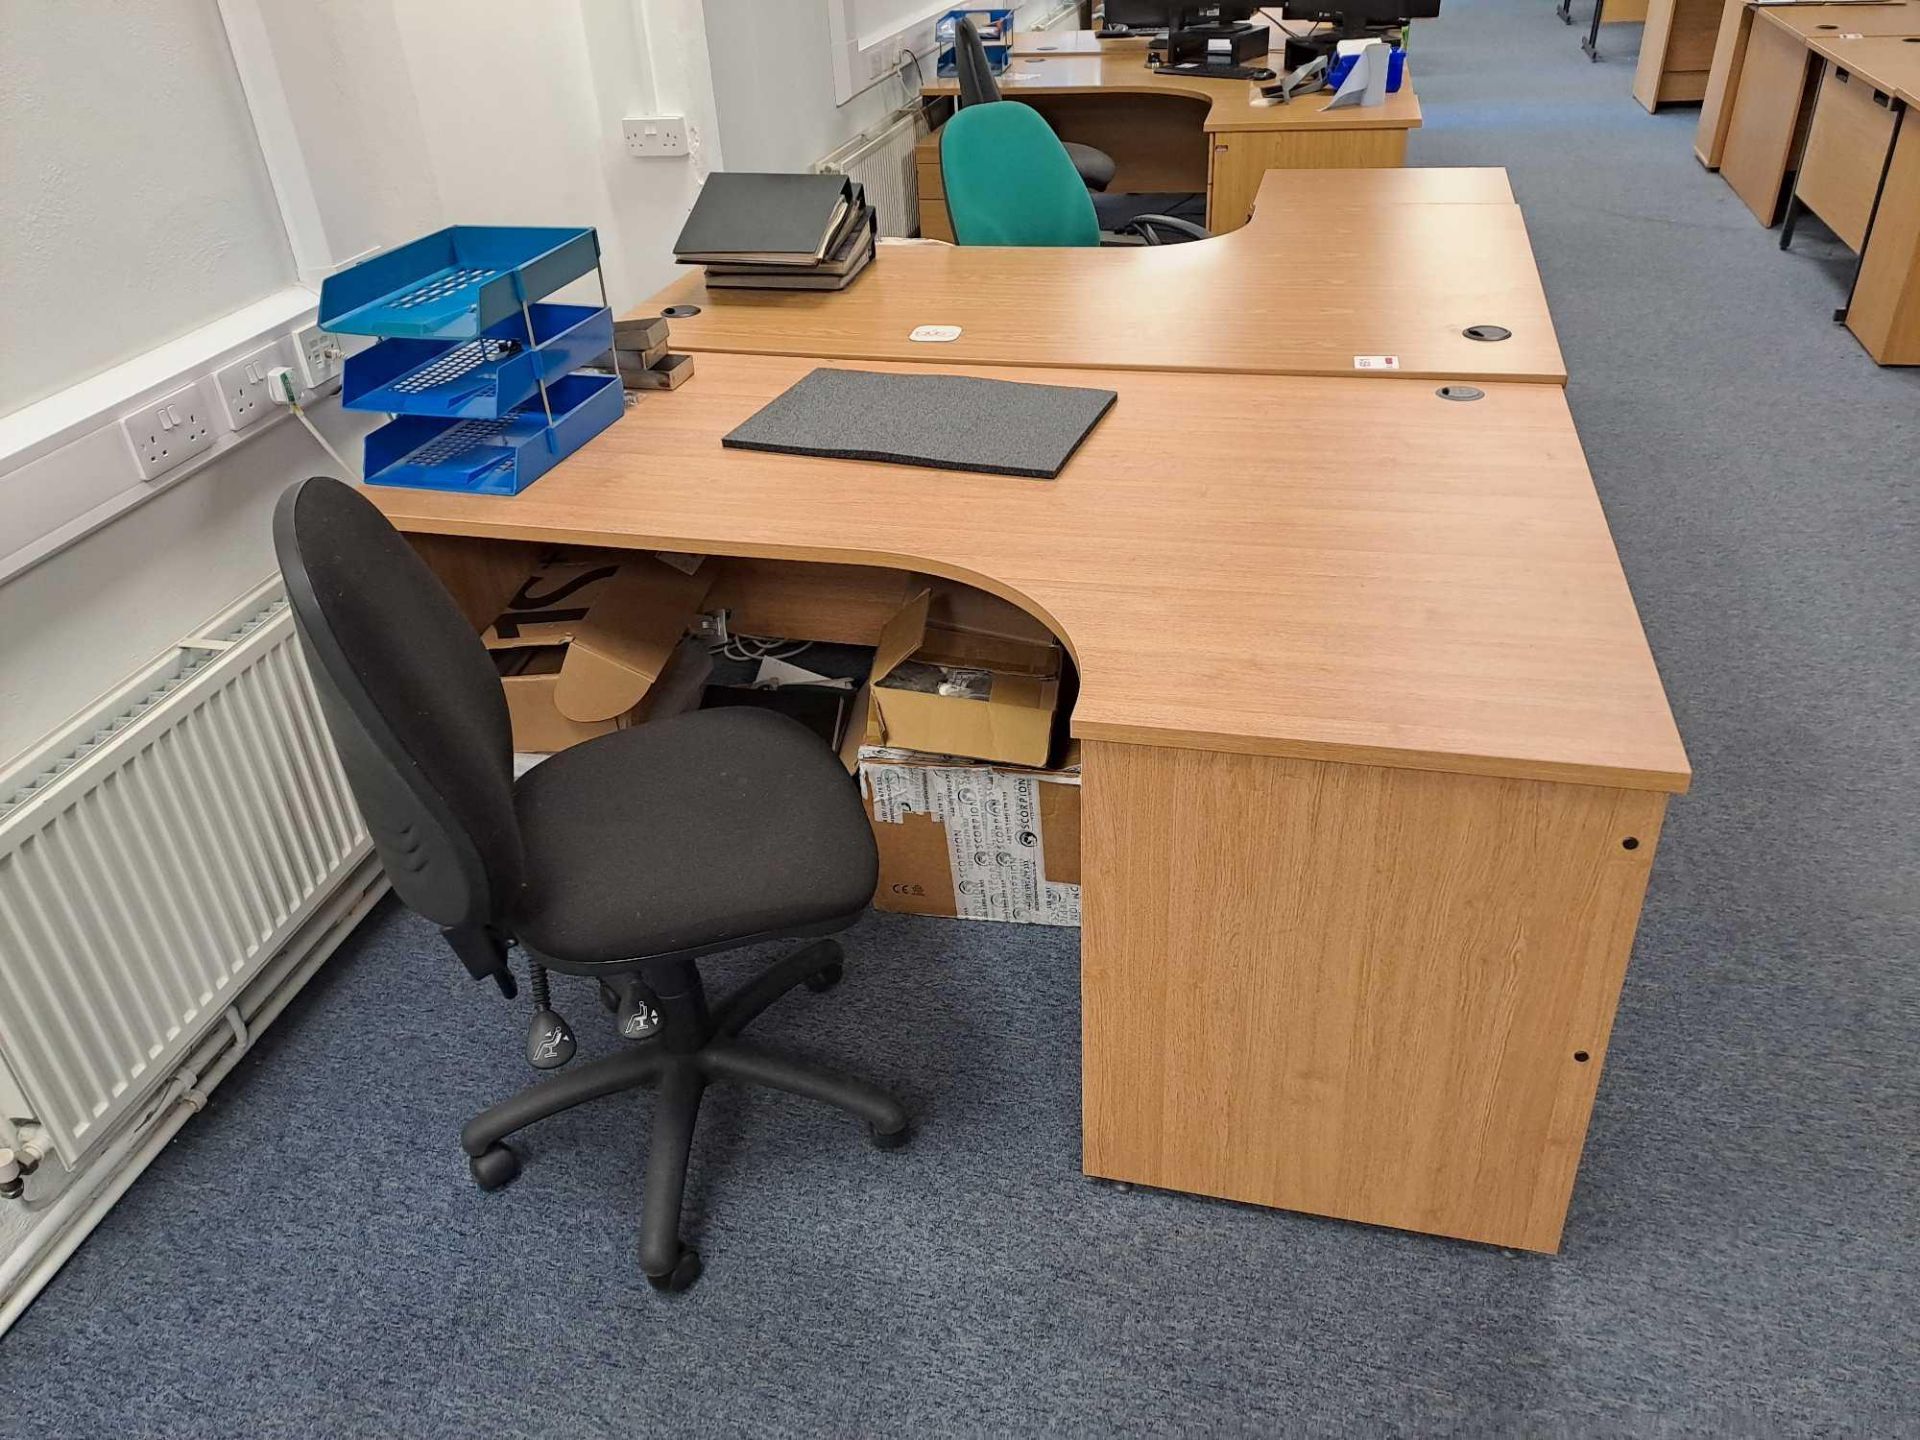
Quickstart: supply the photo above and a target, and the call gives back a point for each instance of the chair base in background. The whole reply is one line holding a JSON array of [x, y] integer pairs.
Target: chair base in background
[[693, 1048]]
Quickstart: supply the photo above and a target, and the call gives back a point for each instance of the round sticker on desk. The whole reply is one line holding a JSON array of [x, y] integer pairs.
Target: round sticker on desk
[[935, 334]]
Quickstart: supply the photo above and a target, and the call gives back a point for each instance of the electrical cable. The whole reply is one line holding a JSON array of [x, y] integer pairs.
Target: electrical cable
[[748, 648], [280, 384]]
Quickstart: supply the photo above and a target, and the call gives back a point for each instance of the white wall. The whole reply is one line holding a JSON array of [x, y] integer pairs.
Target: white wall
[[73, 628], [137, 205], [410, 114], [772, 66]]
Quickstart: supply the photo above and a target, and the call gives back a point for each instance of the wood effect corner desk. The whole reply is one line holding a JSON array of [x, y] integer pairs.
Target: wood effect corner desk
[[1181, 134], [1375, 756], [1333, 265]]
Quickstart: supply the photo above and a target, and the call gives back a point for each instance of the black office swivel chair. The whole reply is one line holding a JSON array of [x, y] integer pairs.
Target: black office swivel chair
[[625, 858], [978, 87]]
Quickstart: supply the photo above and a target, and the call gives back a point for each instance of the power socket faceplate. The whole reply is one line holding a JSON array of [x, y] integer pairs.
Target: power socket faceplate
[[317, 357], [243, 386], [169, 432], [653, 136]]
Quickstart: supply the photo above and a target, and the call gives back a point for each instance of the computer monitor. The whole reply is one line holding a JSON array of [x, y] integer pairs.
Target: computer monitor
[[1173, 15], [1355, 18]]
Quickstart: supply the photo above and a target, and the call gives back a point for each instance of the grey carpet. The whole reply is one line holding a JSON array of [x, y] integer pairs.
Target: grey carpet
[[1741, 1258]]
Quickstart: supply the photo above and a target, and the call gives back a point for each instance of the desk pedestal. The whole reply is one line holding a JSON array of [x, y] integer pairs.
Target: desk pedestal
[[1377, 994]]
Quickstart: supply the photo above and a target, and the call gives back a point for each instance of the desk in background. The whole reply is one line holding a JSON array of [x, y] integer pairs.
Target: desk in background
[[1860, 173], [1374, 753], [1333, 265], [1769, 95], [1730, 54], [1181, 134], [1676, 51]]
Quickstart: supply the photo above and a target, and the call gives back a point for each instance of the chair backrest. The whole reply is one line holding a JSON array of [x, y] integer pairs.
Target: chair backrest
[[1009, 180], [977, 85], [411, 700]]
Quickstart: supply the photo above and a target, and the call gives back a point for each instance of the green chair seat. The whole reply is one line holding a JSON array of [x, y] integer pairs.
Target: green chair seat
[[1010, 181]]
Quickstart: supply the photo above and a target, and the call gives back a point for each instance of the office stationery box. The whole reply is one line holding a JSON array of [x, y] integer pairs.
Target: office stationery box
[[587, 647], [951, 691], [971, 841]]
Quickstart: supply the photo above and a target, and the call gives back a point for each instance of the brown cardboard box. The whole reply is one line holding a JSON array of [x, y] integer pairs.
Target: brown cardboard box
[[583, 646], [977, 842], [1012, 689]]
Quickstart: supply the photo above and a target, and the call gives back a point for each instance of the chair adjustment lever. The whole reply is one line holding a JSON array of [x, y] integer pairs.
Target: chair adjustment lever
[[550, 1042], [635, 1006]]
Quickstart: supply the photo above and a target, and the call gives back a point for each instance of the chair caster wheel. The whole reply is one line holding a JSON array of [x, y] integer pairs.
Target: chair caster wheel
[[494, 1168], [685, 1271], [892, 1139], [825, 979]]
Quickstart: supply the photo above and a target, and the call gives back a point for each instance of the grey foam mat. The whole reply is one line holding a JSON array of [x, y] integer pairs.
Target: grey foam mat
[[947, 422]]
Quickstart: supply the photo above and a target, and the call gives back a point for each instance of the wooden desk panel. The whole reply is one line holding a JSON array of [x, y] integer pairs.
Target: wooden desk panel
[[1769, 117], [1383, 995], [1346, 570], [1884, 314], [1723, 81], [1846, 148], [1303, 289], [1676, 51]]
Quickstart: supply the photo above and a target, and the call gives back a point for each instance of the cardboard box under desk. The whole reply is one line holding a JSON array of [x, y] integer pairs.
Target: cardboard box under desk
[[587, 647], [971, 841], [979, 696]]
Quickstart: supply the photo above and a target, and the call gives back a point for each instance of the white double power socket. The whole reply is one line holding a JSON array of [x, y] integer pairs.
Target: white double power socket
[[243, 385], [170, 431]]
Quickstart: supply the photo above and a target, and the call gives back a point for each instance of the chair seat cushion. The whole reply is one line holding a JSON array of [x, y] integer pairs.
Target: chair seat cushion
[[688, 833], [1096, 167]]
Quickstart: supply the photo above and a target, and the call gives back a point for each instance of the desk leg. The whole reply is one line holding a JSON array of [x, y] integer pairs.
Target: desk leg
[[1873, 211], [1794, 206], [1592, 43], [1377, 994]]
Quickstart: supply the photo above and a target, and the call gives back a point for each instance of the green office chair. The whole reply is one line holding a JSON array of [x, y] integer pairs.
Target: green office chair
[[1009, 181]]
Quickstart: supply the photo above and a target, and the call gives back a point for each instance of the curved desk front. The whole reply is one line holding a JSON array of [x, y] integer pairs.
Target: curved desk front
[[1374, 752], [1399, 268]]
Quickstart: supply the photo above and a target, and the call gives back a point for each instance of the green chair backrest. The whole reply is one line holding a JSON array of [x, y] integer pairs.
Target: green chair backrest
[[1009, 180]]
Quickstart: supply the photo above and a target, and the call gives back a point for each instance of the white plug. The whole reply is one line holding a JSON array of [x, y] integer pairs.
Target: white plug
[[282, 387]]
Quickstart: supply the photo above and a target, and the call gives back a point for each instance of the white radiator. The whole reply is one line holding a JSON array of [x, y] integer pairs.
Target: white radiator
[[881, 159], [154, 855]]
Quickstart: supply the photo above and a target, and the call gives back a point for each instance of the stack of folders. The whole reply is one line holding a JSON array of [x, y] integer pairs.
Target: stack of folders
[[779, 232]]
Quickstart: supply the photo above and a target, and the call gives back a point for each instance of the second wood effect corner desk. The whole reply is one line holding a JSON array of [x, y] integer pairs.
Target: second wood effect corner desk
[[1180, 133], [1375, 756], [1334, 265]]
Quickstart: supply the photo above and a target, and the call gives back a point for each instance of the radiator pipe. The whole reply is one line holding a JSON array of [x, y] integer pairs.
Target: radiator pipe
[[71, 1215]]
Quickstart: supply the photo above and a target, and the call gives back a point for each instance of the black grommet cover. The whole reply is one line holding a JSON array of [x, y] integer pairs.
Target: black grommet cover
[[1487, 332], [680, 312]]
